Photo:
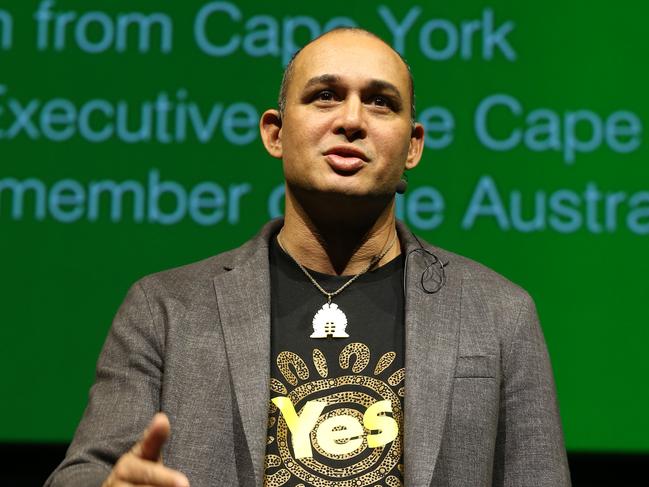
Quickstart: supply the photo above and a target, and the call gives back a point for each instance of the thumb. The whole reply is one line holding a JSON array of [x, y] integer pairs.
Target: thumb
[[154, 437]]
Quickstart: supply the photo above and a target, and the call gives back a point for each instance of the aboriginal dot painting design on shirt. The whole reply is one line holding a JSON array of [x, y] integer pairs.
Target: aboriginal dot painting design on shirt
[[335, 418]]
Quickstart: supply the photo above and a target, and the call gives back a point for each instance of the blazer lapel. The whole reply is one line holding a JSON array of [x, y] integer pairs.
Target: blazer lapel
[[243, 296], [432, 323]]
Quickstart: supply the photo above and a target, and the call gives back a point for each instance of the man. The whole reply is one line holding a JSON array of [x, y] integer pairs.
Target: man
[[283, 362]]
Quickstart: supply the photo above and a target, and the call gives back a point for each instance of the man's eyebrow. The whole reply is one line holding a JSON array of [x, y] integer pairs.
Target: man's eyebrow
[[322, 79], [382, 85]]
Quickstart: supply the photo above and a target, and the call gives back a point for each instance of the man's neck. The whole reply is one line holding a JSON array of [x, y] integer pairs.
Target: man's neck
[[339, 242]]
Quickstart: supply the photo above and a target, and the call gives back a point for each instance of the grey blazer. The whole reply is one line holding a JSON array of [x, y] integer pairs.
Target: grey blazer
[[480, 405]]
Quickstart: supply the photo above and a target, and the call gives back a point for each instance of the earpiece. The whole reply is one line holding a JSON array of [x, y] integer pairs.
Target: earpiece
[[402, 185]]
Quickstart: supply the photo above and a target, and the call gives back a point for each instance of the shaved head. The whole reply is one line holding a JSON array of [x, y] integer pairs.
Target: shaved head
[[290, 67]]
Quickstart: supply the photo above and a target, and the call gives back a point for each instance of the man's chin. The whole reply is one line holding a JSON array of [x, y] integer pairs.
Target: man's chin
[[348, 192], [344, 205]]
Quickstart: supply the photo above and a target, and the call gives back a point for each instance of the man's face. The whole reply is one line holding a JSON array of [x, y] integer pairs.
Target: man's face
[[347, 127]]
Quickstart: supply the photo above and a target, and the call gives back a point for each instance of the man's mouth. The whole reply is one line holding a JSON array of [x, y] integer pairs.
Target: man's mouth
[[345, 160]]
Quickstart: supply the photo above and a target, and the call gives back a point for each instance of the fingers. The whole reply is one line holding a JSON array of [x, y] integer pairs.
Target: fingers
[[142, 466], [153, 439], [132, 470]]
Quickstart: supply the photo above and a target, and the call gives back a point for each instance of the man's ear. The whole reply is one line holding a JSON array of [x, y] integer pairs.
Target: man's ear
[[416, 146], [270, 127]]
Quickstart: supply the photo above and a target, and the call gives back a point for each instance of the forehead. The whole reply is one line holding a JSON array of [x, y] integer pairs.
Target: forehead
[[354, 57]]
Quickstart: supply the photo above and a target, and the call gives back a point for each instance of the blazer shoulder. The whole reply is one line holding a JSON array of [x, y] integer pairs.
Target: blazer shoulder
[[472, 271], [192, 281], [480, 282], [491, 303], [462, 271]]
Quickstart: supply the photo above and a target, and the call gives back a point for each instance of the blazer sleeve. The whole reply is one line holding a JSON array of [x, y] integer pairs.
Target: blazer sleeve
[[124, 397], [529, 446]]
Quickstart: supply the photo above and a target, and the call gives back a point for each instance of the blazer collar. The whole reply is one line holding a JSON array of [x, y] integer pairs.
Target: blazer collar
[[431, 322], [243, 299], [432, 325]]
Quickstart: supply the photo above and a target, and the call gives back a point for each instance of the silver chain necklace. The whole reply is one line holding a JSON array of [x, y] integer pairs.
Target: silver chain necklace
[[330, 321]]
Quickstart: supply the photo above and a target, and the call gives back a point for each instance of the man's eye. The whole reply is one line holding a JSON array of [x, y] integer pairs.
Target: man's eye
[[325, 95], [380, 101]]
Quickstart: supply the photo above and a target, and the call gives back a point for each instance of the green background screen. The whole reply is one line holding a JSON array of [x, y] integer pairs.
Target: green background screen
[[129, 144]]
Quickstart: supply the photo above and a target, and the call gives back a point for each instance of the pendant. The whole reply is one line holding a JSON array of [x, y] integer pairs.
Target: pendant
[[329, 322]]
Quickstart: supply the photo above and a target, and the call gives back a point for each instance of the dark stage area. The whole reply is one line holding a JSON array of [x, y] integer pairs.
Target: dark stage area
[[28, 465]]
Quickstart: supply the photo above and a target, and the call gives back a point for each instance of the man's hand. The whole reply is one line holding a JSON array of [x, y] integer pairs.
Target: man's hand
[[142, 466]]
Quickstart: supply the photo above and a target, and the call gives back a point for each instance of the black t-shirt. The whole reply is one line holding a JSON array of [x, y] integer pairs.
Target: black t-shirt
[[336, 411]]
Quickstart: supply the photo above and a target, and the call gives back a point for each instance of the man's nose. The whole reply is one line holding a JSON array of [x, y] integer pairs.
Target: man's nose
[[351, 119]]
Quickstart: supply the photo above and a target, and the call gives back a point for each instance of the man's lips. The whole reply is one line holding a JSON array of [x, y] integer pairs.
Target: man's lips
[[344, 164], [345, 159]]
